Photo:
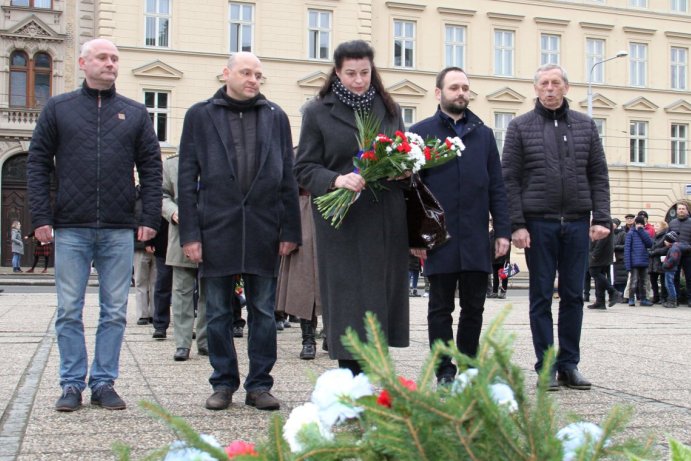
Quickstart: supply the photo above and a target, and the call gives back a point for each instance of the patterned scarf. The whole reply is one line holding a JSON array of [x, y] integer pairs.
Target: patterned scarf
[[358, 102]]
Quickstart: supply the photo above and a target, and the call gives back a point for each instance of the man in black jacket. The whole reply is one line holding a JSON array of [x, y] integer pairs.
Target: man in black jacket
[[682, 226], [93, 138], [239, 211], [556, 176]]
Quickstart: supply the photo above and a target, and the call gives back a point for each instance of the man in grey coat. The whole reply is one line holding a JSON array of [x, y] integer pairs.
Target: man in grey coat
[[184, 273], [239, 211]]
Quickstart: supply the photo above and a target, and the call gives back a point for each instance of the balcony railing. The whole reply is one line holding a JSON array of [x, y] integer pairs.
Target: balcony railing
[[18, 118]]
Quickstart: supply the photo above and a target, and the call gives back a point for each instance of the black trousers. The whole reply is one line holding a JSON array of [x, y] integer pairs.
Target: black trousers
[[162, 294], [472, 289], [602, 285]]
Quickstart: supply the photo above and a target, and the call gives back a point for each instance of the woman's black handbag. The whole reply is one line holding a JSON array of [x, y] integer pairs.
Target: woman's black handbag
[[426, 225]]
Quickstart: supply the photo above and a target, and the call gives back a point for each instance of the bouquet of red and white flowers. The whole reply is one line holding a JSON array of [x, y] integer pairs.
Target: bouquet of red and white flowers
[[381, 157]]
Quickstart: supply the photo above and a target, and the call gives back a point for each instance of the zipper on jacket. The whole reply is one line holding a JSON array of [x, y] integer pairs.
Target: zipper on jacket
[[98, 162]]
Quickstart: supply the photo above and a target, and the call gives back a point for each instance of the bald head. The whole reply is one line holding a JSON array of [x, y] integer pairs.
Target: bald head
[[99, 59], [243, 75], [88, 47]]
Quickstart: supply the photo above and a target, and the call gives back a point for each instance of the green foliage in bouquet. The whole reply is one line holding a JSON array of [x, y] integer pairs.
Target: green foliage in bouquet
[[484, 415]]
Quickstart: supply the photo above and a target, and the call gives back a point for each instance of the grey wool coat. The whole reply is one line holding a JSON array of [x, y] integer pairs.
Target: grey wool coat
[[363, 265], [240, 233], [174, 254]]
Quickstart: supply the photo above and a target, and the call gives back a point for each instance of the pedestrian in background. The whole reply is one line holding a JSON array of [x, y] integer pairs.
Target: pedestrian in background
[[636, 259], [17, 246]]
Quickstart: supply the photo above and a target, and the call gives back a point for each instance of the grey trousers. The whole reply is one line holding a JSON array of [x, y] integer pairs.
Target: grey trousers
[[183, 309]]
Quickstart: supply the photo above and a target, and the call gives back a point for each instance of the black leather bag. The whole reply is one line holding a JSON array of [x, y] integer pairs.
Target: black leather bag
[[426, 225]]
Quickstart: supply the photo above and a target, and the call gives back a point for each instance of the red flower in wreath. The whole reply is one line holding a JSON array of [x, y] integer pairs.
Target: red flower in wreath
[[384, 399], [240, 447]]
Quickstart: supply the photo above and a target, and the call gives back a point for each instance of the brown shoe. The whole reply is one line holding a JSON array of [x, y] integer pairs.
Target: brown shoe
[[219, 400], [262, 400]]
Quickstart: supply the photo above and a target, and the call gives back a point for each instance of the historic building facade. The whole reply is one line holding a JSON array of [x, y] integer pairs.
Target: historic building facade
[[173, 52]]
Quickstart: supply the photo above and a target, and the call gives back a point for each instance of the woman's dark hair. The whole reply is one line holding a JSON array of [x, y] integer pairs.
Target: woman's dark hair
[[359, 49]]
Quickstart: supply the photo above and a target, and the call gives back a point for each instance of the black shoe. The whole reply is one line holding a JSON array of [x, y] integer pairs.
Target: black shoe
[[150, 320], [325, 345], [219, 400], [70, 400], [616, 299], [670, 303], [279, 325], [237, 332], [203, 351], [286, 324], [308, 352], [573, 379], [553, 384], [181, 354], [492, 295], [159, 334], [262, 400], [105, 396], [598, 305], [143, 321]]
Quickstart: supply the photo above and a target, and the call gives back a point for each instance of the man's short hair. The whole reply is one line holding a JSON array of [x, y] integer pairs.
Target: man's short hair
[[547, 67], [442, 75]]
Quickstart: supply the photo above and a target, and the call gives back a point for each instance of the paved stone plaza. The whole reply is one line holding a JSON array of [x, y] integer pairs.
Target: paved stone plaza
[[634, 356]]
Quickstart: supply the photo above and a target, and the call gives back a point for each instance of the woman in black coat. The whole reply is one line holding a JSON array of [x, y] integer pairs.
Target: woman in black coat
[[363, 265], [655, 269]]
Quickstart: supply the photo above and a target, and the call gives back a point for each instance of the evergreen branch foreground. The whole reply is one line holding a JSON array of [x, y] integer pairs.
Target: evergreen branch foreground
[[484, 415]]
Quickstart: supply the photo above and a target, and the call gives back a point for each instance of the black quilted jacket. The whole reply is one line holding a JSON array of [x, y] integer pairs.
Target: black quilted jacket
[[555, 168], [94, 139]]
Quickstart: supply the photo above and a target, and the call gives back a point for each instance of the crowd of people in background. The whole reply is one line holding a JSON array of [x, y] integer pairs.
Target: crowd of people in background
[[642, 262]]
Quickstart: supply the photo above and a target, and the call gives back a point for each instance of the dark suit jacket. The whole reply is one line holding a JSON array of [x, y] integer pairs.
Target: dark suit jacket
[[240, 233]]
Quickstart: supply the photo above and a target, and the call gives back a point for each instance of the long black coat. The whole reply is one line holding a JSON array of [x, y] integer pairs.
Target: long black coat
[[240, 233], [363, 265], [468, 188]]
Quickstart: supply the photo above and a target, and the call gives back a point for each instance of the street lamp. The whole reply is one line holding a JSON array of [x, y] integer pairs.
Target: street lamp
[[620, 54]]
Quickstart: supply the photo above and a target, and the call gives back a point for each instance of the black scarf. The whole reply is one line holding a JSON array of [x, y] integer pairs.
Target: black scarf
[[358, 102], [237, 105]]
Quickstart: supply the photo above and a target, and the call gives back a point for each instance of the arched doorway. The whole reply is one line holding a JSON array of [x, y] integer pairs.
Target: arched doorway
[[15, 205]]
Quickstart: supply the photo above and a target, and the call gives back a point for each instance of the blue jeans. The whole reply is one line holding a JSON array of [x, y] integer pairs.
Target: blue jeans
[[111, 251], [557, 246], [669, 283], [16, 260], [260, 293]]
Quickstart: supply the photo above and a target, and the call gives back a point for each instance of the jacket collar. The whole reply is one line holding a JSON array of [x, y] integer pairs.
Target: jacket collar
[[221, 98], [471, 120], [93, 93], [558, 114]]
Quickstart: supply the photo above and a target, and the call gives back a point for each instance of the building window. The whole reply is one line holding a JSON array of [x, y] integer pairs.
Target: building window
[[638, 141], [501, 123], [30, 82], [549, 49], [454, 46], [600, 125], [319, 34], [678, 6], [157, 104], [503, 52], [679, 138], [678, 59], [408, 115], [638, 63], [157, 22], [33, 3], [638, 3], [403, 43], [594, 53], [241, 27]]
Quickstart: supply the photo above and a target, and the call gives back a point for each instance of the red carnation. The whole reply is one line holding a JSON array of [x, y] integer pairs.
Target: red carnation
[[240, 447], [400, 134], [408, 383], [427, 153], [448, 143], [384, 399]]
